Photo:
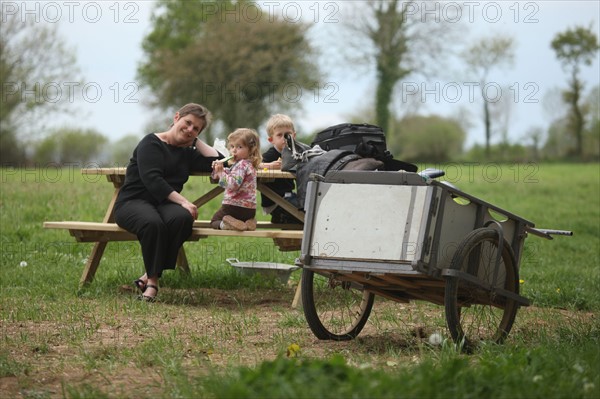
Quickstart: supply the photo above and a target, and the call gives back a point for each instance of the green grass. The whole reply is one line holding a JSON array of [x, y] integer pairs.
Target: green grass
[[202, 339], [517, 372]]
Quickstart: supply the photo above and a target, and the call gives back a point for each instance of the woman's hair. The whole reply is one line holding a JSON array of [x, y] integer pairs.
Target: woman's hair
[[251, 140], [197, 110], [279, 120]]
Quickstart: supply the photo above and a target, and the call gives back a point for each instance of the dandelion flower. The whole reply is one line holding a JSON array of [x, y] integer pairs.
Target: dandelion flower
[[292, 350]]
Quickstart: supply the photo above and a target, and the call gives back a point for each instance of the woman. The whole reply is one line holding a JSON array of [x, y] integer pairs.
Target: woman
[[150, 204]]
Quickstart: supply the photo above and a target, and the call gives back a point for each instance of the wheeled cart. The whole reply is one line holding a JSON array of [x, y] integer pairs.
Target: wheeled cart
[[404, 236]]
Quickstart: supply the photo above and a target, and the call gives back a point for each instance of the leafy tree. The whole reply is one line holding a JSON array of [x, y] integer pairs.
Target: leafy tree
[[591, 133], [482, 57], [558, 141], [401, 39], [429, 139], [240, 62], [34, 62], [535, 135], [72, 146], [574, 48]]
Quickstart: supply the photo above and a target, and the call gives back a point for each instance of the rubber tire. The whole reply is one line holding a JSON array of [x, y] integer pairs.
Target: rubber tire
[[343, 323], [491, 323]]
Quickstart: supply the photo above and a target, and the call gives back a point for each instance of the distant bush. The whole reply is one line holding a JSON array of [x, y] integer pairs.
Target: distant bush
[[427, 138]]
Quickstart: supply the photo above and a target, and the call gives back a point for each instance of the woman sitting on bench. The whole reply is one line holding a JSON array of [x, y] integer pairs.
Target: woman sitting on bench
[[150, 205]]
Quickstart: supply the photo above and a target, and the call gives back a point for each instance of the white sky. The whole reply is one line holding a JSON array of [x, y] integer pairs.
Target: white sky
[[107, 36]]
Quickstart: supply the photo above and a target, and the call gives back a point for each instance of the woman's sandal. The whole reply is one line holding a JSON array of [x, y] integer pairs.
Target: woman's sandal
[[147, 298], [140, 284]]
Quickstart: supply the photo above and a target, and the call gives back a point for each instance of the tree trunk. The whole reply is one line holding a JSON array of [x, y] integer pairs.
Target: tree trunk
[[488, 126], [385, 86], [577, 114]]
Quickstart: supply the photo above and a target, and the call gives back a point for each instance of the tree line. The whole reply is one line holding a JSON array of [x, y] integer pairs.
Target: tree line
[[245, 69]]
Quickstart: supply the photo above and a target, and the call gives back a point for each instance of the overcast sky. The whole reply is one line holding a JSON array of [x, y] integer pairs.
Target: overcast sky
[[107, 36]]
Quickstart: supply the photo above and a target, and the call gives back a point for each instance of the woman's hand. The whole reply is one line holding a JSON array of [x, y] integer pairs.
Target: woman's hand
[[193, 209]]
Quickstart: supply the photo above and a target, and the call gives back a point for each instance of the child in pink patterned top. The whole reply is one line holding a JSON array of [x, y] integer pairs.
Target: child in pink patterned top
[[238, 209]]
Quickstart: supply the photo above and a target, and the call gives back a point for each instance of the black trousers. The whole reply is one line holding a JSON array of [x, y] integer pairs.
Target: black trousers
[[161, 231]]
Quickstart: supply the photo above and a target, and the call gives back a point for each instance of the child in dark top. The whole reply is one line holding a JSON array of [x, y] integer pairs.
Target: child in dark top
[[277, 126], [150, 205], [238, 209]]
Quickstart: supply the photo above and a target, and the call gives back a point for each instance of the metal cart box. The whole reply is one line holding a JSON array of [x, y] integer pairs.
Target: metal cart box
[[394, 222]]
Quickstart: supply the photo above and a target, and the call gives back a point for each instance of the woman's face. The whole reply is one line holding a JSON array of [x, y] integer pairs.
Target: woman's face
[[186, 129]]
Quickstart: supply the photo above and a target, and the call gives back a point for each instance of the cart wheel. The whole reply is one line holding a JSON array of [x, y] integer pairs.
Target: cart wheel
[[334, 309], [473, 313]]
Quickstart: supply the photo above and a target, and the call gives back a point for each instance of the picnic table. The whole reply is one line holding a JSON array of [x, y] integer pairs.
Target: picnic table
[[101, 233]]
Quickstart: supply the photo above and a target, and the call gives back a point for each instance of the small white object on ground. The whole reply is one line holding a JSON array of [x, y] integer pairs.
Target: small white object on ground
[[435, 339]]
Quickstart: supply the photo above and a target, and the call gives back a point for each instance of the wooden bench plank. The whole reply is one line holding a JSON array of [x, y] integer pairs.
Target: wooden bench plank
[[208, 232], [259, 225], [104, 232], [73, 225]]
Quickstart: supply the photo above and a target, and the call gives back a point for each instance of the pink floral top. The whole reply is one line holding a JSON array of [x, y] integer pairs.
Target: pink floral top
[[239, 182]]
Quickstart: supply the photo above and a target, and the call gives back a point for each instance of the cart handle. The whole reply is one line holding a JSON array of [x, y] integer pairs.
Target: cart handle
[[431, 173], [547, 233]]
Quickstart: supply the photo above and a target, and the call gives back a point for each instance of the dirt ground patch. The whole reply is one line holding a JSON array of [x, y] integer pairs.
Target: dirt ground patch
[[130, 356]]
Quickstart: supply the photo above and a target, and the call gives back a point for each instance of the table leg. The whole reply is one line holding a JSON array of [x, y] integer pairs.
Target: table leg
[[92, 263], [297, 295], [182, 262], [208, 196], [281, 201], [98, 250]]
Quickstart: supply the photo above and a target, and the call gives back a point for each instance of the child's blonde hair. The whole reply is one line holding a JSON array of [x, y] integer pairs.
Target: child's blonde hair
[[279, 120], [251, 140]]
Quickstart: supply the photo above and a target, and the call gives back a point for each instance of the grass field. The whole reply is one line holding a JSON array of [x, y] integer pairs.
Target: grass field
[[218, 334]]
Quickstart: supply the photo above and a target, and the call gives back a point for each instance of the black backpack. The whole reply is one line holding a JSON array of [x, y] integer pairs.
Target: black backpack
[[363, 139]]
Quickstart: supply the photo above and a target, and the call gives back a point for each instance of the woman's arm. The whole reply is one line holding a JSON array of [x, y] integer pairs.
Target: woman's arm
[[205, 149]]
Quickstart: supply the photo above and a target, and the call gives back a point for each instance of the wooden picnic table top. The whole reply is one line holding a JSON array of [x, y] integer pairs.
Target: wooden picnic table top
[[120, 171]]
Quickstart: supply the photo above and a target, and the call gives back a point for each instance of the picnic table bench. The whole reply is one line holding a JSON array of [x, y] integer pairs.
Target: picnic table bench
[[101, 233]]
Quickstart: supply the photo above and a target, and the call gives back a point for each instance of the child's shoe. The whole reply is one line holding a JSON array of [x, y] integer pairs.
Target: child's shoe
[[251, 224], [231, 223]]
